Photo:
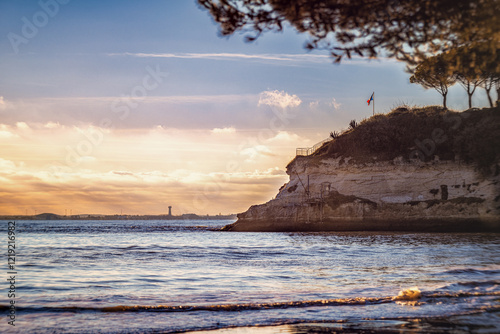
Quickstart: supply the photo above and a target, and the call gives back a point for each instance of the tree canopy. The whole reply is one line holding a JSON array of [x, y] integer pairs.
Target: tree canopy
[[407, 30], [434, 72], [476, 69]]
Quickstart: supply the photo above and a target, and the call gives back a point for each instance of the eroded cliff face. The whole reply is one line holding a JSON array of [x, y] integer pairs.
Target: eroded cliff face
[[337, 195]]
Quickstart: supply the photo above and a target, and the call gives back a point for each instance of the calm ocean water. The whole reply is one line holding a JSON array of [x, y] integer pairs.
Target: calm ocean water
[[177, 276]]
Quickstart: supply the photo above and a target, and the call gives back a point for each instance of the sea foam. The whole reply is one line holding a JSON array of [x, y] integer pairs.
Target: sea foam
[[409, 294]]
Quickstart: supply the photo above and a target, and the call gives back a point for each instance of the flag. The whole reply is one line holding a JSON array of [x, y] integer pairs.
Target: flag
[[371, 98]]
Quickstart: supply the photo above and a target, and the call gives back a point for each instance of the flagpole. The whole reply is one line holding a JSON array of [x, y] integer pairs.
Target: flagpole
[[373, 103]]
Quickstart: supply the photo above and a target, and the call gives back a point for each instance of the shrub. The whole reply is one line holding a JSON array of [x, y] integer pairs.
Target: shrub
[[475, 137], [334, 134]]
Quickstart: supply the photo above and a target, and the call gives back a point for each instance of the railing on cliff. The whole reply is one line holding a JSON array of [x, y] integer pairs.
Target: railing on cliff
[[305, 151]]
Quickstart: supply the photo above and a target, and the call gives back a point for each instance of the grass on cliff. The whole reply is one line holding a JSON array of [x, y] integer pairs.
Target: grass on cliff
[[473, 136]]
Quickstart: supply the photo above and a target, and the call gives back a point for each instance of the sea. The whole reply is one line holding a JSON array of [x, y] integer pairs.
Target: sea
[[186, 276]]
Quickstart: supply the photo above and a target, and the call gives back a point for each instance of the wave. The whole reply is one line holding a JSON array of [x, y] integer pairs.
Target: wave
[[411, 294], [120, 229], [472, 271]]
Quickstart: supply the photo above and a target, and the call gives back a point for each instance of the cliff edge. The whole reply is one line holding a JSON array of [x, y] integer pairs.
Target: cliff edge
[[425, 170]]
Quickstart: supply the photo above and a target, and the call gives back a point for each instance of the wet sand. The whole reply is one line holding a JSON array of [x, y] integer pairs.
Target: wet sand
[[484, 322]]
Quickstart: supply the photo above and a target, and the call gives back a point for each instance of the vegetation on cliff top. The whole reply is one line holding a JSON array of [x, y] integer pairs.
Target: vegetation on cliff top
[[473, 136]]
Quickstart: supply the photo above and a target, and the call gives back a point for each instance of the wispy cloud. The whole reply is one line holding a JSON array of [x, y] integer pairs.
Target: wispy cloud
[[313, 104], [252, 153], [6, 132], [223, 130], [7, 164], [276, 58], [283, 58], [335, 104], [286, 137], [222, 98]]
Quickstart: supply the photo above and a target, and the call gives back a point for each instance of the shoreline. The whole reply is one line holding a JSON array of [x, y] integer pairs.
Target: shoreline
[[450, 225], [480, 321], [118, 217]]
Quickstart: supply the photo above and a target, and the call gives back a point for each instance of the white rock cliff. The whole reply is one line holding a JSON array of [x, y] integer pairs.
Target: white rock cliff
[[337, 195]]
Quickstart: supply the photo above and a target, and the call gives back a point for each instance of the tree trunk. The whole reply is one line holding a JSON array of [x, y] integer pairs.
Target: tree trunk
[[444, 100], [469, 93], [497, 86], [489, 96]]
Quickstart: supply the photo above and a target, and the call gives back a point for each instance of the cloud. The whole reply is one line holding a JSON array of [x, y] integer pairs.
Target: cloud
[[175, 111], [313, 104], [274, 58], [223, 130], [7, 165], [22, 126], [52, 125], [87, 158], [335, 104], [285, 137], [277, 98], [256, 151], [249, 177], [140, 170], [122, 173], [5, 132], [291, 59], [134, 192], [3, 105]]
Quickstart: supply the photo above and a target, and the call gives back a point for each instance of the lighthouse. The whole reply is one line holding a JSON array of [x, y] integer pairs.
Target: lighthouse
[[170, 210]]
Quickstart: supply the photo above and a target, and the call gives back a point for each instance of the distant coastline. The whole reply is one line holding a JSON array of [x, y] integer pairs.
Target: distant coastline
[[53, 216]]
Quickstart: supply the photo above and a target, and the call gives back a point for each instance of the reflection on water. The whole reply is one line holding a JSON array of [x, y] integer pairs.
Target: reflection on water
[[125, 276]]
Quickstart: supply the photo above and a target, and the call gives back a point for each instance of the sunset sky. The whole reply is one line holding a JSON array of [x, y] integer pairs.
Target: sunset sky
[[131, 106]]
